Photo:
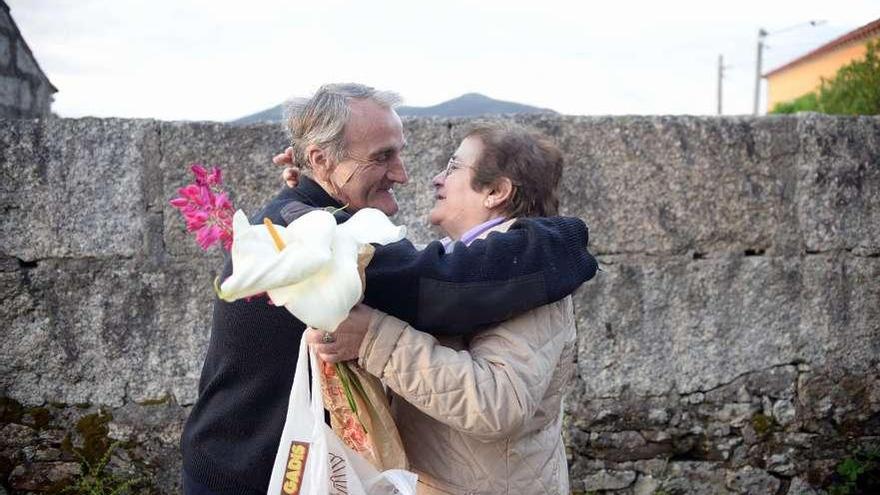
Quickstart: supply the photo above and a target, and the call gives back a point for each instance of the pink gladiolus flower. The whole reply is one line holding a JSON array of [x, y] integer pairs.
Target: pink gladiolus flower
[[206, 208], [191, 191], [200, 173], [206, 178], [215, 177]]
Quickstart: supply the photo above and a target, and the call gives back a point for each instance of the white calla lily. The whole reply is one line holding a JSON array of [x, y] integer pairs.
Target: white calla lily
[[315, 276], [257, 265]]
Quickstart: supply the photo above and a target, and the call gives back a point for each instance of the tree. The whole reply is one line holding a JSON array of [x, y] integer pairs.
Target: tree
[[854, 90]]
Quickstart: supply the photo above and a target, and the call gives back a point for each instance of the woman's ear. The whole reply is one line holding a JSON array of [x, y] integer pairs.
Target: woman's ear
[[500, 192]]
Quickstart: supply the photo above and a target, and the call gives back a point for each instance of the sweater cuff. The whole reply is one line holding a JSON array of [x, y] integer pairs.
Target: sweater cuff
[[379, 342]]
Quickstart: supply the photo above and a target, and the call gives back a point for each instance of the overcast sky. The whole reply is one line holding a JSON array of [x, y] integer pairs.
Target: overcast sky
[[220, 60]]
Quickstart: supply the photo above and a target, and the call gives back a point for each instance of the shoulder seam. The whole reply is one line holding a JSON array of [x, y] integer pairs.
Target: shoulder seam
[[295, 209]]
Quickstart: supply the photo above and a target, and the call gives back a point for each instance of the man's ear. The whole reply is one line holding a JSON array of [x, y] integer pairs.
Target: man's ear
[[500, 192], [319, 161]]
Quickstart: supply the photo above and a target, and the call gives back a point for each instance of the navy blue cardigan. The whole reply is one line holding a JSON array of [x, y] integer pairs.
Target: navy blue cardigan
[[232, 433]]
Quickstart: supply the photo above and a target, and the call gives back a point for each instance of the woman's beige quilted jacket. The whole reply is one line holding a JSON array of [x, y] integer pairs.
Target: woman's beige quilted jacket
[[483, 416]]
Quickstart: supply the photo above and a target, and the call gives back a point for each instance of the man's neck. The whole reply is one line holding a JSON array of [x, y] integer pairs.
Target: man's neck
[[331, 190]]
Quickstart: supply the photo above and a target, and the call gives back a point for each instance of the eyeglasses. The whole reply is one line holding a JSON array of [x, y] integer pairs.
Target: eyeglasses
[[452, 165]]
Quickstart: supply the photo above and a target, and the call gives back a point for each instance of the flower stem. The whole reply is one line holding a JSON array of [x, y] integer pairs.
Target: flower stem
[[333, 210], [349, 381]]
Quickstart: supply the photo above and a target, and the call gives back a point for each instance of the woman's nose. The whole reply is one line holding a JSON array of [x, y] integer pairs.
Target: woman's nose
[[438, 179]]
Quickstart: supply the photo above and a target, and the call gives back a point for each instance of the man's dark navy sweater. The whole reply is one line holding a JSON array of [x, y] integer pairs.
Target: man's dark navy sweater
[[231, 436]]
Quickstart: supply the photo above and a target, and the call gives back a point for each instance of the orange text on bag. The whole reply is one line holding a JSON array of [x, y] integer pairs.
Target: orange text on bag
[[293, 473]]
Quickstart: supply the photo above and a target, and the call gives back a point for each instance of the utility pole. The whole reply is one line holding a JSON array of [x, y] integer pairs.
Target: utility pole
[[761, 35], [720, 78]]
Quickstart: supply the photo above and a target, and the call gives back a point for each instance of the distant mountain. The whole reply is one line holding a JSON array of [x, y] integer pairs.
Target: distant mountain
[[270, 115], [467, 105], [470, 105]]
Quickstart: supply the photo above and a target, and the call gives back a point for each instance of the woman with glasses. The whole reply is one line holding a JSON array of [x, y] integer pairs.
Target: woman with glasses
[[482, 415]]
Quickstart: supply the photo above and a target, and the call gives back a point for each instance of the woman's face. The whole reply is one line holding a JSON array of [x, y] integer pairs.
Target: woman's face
[[457, 207]]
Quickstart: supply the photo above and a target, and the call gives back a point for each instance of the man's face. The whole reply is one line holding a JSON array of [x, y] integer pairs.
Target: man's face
[[372, 164]]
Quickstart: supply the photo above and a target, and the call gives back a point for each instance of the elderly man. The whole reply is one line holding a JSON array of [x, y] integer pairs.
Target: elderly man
[[350, 139]]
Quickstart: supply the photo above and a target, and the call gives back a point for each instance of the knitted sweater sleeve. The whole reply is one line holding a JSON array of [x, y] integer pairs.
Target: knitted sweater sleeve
[[536, 262]]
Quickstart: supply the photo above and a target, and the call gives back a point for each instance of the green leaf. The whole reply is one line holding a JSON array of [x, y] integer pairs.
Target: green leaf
[[854, 90], [851, 469], [349, 380]]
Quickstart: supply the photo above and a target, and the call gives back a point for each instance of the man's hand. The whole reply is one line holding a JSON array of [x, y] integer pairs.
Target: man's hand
[[348, 337], [290, 176]]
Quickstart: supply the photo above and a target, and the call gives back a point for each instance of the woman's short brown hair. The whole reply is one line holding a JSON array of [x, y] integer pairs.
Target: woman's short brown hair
[[531, 161]]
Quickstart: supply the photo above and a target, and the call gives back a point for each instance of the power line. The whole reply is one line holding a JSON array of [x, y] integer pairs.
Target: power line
[[762, 34]]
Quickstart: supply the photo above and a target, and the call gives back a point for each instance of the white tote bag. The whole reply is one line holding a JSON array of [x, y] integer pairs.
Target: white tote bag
[[311, 460]]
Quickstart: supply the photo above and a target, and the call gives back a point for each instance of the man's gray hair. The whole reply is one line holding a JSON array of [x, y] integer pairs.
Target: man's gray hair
[[321, 119]]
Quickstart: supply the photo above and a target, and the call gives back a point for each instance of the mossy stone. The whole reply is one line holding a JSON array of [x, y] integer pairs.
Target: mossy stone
[[93, 429], [10, 411], [40, 417], [763, 424]]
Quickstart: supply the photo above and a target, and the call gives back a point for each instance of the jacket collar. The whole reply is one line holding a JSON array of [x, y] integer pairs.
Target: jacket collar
[[314, 193], [501, 227]]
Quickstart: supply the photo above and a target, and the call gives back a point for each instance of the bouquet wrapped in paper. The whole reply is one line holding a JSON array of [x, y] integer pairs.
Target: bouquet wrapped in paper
[[313, 267]]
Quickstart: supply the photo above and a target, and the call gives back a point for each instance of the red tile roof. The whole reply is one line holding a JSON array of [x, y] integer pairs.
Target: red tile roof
[[870, 30]]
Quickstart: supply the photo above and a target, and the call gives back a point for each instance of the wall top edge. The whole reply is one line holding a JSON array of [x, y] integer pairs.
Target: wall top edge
[[803, 116]]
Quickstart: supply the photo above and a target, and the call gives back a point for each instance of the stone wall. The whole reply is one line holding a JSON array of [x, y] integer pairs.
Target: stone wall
[[731, 343], [25, 91]]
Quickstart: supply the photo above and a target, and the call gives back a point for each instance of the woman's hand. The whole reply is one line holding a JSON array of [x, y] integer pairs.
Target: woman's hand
[[290, 175], [347, 337]]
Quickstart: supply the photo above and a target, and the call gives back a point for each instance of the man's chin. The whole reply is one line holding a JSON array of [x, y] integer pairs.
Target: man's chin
[[388, 208], [386, 204]]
